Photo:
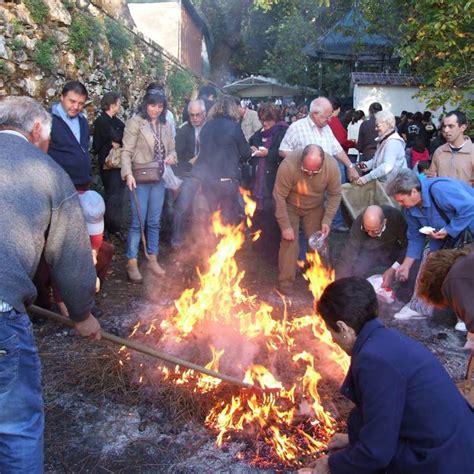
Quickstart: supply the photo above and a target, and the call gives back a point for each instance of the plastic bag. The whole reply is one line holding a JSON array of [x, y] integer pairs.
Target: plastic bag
[[170, 179], [318, 242], [383, 294]]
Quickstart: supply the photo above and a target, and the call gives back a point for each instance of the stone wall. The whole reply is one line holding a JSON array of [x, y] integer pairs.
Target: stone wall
[[44, 43]]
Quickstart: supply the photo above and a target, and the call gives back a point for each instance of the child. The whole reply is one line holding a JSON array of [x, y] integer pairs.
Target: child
[[419, 152], [422, 168]]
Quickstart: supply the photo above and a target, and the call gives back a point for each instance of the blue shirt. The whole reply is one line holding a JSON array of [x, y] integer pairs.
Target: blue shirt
[[71, 122], [454, 197]]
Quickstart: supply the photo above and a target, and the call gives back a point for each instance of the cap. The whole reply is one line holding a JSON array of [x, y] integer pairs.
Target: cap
[[93, 209]]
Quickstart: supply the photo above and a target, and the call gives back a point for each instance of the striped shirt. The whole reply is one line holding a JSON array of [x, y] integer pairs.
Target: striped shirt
[[305, 132]]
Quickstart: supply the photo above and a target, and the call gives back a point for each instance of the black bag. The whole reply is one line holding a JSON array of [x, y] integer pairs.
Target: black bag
[[146, 172], [464, 239]]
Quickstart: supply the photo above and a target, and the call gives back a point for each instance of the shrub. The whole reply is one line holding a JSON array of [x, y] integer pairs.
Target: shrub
[[85, 30], [38, 10], [120, 40], [17, 44], [44, 56]]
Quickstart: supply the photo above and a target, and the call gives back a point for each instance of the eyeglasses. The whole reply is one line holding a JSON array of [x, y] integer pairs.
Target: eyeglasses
[[375, 233], [325, 117], [199, 114], [310, 172]]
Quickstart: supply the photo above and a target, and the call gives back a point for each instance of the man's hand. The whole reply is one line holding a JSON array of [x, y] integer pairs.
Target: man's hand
[[325, 229], [90, 328], [338, 441], [439, 235], [387, 277], [322, 466], [131, 183], [401, 273], [288, 234], [352, 174]]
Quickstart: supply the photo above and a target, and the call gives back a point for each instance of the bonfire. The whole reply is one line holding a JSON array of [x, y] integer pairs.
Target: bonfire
[[287, 360]]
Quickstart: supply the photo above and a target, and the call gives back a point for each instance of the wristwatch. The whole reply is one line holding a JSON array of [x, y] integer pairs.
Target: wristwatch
[[352, 165]]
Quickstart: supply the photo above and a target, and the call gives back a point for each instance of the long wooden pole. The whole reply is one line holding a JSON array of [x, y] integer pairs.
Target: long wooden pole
[[144, 349]]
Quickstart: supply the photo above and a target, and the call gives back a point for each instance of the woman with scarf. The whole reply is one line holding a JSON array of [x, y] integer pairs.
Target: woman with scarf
[[265, 144], [147, 139], [389, 157]]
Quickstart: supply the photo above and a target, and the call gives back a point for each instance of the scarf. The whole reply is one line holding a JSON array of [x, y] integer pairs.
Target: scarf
[[158, 148]]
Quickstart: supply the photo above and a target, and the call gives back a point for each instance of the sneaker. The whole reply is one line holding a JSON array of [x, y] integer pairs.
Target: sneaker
[[460, 326], [406, 313]]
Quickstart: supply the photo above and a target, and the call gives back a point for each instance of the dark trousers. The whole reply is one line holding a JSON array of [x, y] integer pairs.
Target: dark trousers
[[223, 194], [183, 208], [114, 198]]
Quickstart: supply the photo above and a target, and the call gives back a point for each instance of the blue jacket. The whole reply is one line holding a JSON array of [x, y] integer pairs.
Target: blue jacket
[[454, 197], [409, 415], [72, 156]]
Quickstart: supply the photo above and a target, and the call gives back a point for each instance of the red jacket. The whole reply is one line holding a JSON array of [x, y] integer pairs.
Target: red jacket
[[340, 133]]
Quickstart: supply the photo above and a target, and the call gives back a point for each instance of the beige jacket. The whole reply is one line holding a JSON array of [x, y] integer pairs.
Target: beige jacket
[[458, 165], [292, 186], [250, 123], [139, 142]]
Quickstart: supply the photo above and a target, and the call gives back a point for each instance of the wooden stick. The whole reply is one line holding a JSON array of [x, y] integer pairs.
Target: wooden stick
[[144, 349]]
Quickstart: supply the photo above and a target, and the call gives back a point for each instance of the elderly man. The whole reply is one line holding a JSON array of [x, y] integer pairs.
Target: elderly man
[[249, 121], [454, 159], [49, 222], [377, 238], [187, 137], [69, 145], [187, 149], [302, 180]]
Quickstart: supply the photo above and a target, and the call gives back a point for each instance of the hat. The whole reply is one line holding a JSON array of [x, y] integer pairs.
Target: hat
[[93, 209]]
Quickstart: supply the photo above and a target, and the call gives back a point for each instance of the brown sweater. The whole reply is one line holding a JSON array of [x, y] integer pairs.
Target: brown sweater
[[294, 187]]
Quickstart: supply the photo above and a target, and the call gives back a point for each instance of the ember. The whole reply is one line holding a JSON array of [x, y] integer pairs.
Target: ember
[[286, 360]]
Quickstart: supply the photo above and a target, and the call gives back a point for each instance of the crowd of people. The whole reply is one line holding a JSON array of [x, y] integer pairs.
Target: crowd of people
[[296, 162]]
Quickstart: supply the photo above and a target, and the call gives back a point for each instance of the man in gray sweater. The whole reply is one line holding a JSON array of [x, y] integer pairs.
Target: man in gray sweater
[[40, 213]]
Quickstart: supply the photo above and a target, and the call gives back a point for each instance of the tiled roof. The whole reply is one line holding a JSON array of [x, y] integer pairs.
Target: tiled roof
[[385, 79]]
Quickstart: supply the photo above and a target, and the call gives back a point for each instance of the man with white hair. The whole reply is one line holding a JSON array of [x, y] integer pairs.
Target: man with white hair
[[314, 129], [41, 215]]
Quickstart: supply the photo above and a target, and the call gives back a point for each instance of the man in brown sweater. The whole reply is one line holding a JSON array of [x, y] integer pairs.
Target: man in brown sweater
[[301, 182]]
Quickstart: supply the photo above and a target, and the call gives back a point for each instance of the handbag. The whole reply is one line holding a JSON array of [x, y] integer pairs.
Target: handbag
[[114, 159], [145, 173], [466, 386], [464, 239]]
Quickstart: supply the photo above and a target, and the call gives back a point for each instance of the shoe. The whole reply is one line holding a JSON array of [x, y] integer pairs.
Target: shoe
[[341, 228], [460, 326], [133, 272], [155, 267], [406, 313]]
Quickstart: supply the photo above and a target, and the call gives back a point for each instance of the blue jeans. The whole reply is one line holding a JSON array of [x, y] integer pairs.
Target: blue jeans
[[21, 400], [338, 220], [150, 199]]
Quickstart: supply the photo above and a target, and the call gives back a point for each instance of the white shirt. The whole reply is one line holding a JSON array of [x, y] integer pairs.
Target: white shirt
[[305, 132], [353, 134]]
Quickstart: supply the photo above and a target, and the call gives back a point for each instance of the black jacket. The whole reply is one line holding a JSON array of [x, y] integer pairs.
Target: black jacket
[[185, 148], [366, 143], [106, 130], [223, 146]]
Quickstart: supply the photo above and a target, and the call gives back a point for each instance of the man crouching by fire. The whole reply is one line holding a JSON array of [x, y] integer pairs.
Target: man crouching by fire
[[409, 417]]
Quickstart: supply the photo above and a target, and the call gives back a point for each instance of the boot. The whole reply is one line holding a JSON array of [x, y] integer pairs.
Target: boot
[[154, 266], [133, 273]]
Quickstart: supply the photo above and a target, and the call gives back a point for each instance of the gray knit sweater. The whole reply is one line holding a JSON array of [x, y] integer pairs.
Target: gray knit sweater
[[40, 211]]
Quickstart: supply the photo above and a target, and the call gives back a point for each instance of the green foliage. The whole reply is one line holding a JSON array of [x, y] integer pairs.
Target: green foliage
[[68, 4], [2, 66], [120, 40], [85, 30], [160, 70], [17, 44], [180, 83], [17, 27], [38, 10], [44, 55]]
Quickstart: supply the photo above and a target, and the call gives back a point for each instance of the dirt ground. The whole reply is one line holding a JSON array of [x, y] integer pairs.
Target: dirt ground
[[99, 420]]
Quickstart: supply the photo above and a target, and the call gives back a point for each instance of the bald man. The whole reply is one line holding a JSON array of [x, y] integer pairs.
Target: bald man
[[378, 238], [302, 179]]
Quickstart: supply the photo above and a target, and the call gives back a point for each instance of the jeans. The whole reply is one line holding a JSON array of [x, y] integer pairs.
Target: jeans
[[114, 194], [184, 206], [21, 400], [150, 199], [338, 220]]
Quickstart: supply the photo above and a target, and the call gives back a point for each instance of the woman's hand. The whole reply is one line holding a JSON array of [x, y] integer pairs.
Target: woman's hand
[[361, 181], [171, 160], [131, 183], [115, 145], [338, 441]]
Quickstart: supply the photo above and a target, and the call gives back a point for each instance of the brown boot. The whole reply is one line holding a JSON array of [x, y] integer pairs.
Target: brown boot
[[133, 272], [155, 267]]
